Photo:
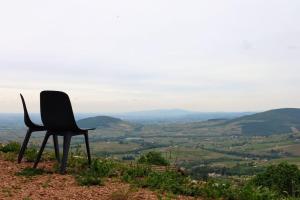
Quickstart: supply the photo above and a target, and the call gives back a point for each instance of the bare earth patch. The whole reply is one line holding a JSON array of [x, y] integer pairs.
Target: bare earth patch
[[56, 186]]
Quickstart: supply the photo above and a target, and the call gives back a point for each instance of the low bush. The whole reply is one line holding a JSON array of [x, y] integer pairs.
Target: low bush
[[250, 192], [153, 158], [98, 169], [11, 147], [132, 173], [170, 181], [77, 164], [31, 154], [283, 178], [10, 156], [167, 181], [30, 172], [105, 167], [224, 189], [88, 178], [218, 188]]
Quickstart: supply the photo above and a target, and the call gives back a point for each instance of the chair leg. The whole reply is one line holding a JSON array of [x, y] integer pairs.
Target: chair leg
[[41, 150], [87, 144], [66, 147], [56, 148], [24, 145]]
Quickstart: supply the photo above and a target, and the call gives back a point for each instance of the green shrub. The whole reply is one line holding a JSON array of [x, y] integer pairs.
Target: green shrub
[[153, 158], [132, 173], [30, 172], [11, 147], [226, 190], [217, 189], [98, 169], [77, 164], [88, 178], [31, 154], [49, 156], [283, 178], [169, 181], [104, 168], [77, 160], [10, 156], [250, 192]]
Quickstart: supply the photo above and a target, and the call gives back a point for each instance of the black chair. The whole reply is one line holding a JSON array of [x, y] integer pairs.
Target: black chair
[[32, 127], [58, 118]]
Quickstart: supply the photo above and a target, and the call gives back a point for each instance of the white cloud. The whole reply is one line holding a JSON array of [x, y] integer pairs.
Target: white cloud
[[131, 55]]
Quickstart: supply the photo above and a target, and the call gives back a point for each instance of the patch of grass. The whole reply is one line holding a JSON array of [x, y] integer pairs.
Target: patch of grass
[[283, 178], [168, 181], [98, 169], [224, 189], [104, 168], [10, 156], [132, 173], [29, 172], [77, 164], [255, 193], [153, 158], [88, 178], [168, 196], [31, 154], [10, 147]]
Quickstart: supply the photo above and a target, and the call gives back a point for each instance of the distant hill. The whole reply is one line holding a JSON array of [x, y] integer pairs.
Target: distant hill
[[175, 116], [100, 122], [276, 121]]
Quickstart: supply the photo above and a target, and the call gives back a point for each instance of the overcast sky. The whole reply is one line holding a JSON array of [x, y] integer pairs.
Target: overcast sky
[[117, 56]]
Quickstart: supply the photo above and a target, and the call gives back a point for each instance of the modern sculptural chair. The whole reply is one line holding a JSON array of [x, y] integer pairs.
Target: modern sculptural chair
[[58, 118], [32, 127]]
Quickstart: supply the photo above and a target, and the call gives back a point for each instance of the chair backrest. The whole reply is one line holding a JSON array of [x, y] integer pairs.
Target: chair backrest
[[56, 111], [27, 119]]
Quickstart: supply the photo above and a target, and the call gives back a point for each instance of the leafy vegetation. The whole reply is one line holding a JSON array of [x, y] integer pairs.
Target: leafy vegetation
[[277, 121], [209, 151], [281, 181], [13, 147], [153, 158], [132, 173], [88, 178], [31, 154], [283, 178], [28, 172], [93, 174]]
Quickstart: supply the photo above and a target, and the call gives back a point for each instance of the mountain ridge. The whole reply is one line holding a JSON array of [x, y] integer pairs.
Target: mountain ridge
[[275, 121]]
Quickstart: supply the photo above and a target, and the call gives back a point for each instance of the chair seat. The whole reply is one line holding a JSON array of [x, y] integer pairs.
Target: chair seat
[[36, 127]]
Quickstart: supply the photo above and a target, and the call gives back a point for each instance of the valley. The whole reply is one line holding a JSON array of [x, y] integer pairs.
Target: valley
[[220, 146]]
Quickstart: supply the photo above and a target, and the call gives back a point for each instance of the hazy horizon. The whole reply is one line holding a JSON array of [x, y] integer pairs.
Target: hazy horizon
[[142, 111], [117, 56]]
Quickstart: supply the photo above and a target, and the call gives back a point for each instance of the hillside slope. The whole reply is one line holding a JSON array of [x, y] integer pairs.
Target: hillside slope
[[276, 121], [101, 122], [55, 186]]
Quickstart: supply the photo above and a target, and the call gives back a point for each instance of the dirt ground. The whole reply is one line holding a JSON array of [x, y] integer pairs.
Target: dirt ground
[[56, 186]]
